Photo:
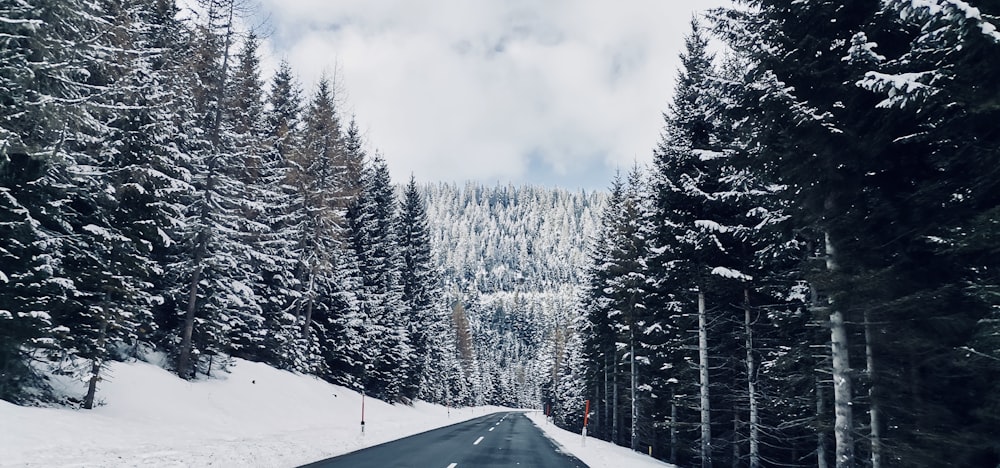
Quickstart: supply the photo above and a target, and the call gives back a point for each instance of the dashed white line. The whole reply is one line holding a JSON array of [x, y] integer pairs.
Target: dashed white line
[[453, 465], [478, 441], [491, 429]]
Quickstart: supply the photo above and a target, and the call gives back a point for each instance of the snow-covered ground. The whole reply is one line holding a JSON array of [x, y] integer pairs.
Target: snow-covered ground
[[595, 453], [255, 416]]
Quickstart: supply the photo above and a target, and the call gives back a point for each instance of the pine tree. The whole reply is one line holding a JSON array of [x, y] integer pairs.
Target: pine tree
[[319, 225], [421, 293], [692, 245], [259, 199], [25, 323], [216, 260], [621, 308], [599, 341], [852, 101], [373, 221], [285, 212], [29, 155], [571, 393], [61, 122]]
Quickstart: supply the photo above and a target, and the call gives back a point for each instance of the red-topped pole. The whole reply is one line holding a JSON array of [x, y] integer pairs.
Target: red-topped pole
[[362, 411]]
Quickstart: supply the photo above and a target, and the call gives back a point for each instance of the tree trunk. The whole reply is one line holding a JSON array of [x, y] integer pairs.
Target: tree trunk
[[220, 90], [673, 427], [736, 436], [706, 418], [751, 384], [614, 402], [635, 391], [843, 425], [607, 400], [309, 313], [184, 358], [96, 364], [820, 432], [841, 391], [95, 372], [873, 407]]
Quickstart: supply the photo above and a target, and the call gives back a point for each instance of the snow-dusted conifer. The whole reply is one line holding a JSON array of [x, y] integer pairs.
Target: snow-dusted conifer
[[373, 221], [421, 294]]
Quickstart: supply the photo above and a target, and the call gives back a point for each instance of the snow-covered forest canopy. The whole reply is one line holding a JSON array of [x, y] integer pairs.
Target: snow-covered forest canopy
[[514, 262], [159, 199], [807, 275], [162, 201]]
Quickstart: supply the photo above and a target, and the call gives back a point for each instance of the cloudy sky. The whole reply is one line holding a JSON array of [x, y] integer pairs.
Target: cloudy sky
[[556, 92]]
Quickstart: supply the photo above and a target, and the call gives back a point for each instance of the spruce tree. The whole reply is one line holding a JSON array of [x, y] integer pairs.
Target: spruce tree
[[599, 341], [851, 103], [421, 294], [319, 225], [214, 262], [284, 213], [373, 221]]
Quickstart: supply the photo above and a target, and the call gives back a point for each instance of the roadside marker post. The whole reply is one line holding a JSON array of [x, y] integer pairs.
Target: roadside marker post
[[362, 411], [586, 418]]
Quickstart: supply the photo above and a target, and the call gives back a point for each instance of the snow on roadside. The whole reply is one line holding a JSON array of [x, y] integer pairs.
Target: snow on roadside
[[255, 416], [596, 453]]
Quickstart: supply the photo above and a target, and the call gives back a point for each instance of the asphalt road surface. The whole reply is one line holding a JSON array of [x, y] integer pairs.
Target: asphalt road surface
[[496, 440]]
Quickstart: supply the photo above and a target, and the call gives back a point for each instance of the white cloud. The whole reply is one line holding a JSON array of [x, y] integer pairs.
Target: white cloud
[[455, 90]]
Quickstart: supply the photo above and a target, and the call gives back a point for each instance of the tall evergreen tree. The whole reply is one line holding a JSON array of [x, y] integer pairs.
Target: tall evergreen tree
[[373, 221], [315, 174], [215, 263], [421, 294], [284, 214], [599, 334], [693, 255], [259, 199], [851, 102]]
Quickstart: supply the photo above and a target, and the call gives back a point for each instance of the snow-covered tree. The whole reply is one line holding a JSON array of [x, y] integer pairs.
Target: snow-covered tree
[[421, 292], [374, 221]]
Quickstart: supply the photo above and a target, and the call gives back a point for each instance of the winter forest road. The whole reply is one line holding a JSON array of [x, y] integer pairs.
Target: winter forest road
[[496, 440]]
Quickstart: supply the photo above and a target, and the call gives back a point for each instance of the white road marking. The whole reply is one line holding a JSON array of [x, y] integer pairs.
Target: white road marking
[[453, 465], [491, 429], [478, 441]]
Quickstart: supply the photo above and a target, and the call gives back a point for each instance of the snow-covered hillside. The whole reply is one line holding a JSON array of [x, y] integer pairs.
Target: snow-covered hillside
[[514, 258], [504, 237], [253, 416]]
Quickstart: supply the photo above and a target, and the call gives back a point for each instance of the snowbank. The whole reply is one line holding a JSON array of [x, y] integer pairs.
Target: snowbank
[[254, 416], [596, 453]]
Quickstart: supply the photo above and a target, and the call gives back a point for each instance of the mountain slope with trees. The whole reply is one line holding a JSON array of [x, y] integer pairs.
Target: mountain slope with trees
[[157, 195], [512, 261], [806, 275], [803, 277]]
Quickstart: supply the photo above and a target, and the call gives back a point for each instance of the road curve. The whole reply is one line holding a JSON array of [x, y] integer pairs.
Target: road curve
[[492, 441]]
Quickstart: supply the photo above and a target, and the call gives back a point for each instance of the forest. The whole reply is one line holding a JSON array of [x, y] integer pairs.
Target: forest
[[806, 274], [513, 261], [160, 201]]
